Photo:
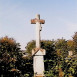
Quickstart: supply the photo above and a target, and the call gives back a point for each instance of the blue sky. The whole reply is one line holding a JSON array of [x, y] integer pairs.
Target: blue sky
[[60, 19]]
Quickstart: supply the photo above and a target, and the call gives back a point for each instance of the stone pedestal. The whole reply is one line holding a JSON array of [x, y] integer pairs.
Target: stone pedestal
[[38, 62], [39, 76]]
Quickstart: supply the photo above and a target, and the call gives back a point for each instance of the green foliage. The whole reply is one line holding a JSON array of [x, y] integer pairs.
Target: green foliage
[[11, 62], [75, 41], [70, 45], [50, 56], [9, 51], [71, 67], [57, 62], [61, 47], [62, 67], [61, 44], [30, 46]]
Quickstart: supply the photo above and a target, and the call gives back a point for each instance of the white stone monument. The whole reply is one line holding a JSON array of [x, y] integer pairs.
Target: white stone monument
[[70, 53], [38, 53]]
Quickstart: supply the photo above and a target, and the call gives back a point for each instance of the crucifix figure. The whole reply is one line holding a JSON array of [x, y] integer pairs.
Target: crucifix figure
[[38, 52]]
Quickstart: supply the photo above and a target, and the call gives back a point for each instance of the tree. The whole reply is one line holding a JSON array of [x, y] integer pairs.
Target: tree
[[9, 50], [30, 46], [75, 41], [70, 67], [61, 47], [56, 64], [61, 53], [70, 45], [66, 67]]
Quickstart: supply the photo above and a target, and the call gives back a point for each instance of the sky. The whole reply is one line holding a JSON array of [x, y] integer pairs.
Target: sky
[[60, 19]]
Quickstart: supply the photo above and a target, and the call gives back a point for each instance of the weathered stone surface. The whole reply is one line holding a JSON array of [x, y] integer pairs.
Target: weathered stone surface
[[38, 23], [38, 53], [37, 19], [39, 76], [38, 62], [41, 51]]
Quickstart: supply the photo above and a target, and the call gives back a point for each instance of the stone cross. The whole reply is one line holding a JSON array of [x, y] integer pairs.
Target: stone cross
[[38, 23], [38, 53]]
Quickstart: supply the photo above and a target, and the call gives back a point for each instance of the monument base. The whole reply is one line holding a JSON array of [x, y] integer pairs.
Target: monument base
[[39, 76]]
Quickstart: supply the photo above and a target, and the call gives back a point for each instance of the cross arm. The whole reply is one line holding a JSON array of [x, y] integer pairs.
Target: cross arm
[[41, 21]]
